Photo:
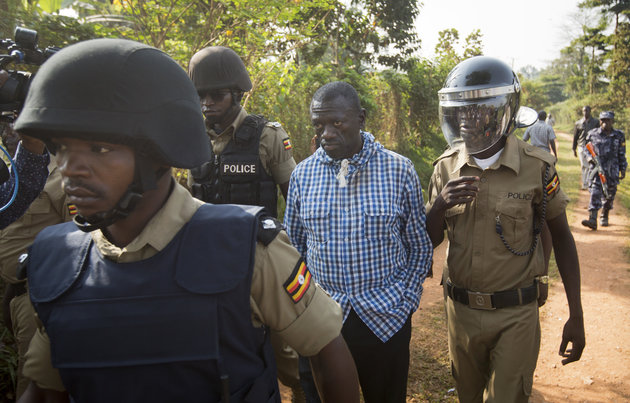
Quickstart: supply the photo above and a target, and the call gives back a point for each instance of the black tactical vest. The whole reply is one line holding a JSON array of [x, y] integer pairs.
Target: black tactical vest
[[175, 327], [236, 175]]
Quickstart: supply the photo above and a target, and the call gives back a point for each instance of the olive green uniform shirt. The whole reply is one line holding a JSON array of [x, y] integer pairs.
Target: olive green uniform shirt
[[307, 325], [49, 208], [512, 189], [276, 157]]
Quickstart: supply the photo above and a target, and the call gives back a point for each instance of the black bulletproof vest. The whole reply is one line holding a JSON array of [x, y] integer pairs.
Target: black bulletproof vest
[[236, 175], [172, 328]]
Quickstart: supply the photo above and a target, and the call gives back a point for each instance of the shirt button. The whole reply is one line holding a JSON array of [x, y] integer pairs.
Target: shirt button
[[483, 180], [346, 239], [346, 209]]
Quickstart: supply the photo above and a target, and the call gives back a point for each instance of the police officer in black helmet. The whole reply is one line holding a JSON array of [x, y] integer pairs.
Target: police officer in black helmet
[[150, 298], [250, 155], [491, 192], [251, 158]]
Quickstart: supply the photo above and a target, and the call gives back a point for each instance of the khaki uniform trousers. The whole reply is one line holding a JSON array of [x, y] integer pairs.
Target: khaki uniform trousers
[[24, 327], [493, 353]]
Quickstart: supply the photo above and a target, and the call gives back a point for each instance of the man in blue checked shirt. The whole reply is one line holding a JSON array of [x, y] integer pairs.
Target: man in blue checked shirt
[[356, 214]]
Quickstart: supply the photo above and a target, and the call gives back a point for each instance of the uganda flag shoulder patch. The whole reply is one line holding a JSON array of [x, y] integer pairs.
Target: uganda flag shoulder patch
[[287, 144], [298, 282], [72, 209], [552, 185]]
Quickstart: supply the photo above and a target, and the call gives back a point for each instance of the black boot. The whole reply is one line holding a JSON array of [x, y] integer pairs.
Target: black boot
[[592, 220], [604, 219]]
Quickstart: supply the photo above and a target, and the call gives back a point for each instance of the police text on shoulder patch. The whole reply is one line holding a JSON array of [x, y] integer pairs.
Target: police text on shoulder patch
[[287, 144], [552, 185], [298, 282]]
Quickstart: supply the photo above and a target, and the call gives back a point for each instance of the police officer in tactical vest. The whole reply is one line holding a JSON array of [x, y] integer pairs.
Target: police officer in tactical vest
[[250, 155], [152, 295]]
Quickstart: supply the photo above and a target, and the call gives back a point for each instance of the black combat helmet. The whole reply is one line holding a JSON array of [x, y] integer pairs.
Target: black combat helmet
[[118, 91], [479, 103], [218, 67], [122, 92]]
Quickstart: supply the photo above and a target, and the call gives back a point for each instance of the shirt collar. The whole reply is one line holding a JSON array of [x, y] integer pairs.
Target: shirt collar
[[231, 129], [370, 146], [510, 156], [160, 230]]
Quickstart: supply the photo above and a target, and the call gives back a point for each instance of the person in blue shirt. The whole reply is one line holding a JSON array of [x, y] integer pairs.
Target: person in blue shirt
[[356, 214], [31, 163]]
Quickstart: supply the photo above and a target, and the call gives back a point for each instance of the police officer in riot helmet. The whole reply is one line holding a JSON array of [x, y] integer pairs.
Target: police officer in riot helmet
[[149, 299], [250, 154], [492, 193]]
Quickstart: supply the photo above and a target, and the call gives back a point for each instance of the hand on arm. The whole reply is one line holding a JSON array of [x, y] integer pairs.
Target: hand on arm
[[457, 191], [335, 373], [33, 145], [569, 268]]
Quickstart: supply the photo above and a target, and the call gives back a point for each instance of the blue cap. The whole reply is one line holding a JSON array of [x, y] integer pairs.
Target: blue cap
[[607, 115]]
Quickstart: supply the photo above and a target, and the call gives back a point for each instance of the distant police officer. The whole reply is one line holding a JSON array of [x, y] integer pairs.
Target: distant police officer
[[156, 296], [582, 127], [250, 155], [490, 191], [609, 145]]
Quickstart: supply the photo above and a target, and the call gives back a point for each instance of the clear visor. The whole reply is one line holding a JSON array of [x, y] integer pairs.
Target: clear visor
[[479, 123]]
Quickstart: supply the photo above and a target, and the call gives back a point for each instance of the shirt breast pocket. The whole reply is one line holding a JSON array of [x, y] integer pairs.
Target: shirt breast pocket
[[316, 219], [379, 222], [516, 222], [453, 224]]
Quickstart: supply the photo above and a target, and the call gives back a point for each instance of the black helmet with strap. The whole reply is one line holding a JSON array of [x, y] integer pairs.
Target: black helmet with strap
[[122, 92], [218, 67]]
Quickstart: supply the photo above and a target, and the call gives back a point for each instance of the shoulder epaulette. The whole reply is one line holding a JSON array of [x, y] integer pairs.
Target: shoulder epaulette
[[273, 124], [540, 154], [447, 153], [268, 229]]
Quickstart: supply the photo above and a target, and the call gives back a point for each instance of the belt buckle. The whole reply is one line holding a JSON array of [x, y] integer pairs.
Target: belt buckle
[[480, 300]]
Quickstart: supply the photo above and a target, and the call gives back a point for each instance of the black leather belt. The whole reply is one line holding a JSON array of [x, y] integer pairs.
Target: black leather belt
[[492, 300]]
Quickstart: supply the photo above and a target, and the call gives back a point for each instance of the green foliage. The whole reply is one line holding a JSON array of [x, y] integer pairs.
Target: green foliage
[[8, 365], [542, 92], [619, 68]]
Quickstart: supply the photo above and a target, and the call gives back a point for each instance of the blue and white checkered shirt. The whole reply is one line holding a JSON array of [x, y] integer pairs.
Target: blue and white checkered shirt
[[366, 243]]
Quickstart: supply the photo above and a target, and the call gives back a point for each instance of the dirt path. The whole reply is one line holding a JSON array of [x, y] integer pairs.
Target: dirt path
[[603, 373]]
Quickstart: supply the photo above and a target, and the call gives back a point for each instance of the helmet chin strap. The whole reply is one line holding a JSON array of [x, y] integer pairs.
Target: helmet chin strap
[[145, 178]]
